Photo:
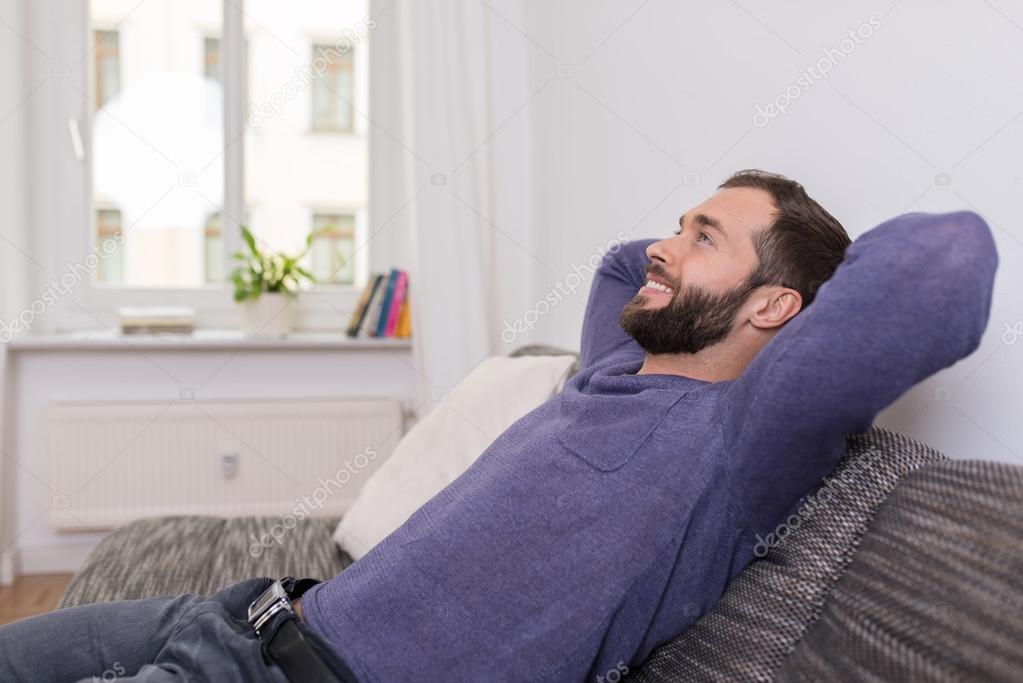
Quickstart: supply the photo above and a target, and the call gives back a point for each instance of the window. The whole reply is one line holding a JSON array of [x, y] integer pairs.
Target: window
[[159, 145], [211, 58], [332, 250], [107, 68], [196, 119], [213, 248], [332, 88], [211, 61], [108, 231]]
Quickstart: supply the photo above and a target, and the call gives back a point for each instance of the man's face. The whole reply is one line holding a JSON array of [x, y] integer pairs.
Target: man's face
[[705, 268]]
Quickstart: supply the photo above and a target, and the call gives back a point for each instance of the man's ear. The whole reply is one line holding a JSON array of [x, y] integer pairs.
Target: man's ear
[[774, 306]]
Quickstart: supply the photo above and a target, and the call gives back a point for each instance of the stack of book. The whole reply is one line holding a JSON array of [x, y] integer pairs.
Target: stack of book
[[383, 309], [156, 320]]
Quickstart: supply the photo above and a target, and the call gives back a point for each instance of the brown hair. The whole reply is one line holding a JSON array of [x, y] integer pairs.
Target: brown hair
[[805, 244]]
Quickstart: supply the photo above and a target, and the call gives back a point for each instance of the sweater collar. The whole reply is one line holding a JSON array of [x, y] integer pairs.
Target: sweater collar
[[624, 375]]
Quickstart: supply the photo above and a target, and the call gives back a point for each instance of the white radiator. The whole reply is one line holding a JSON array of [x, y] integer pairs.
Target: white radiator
[[111, 463]]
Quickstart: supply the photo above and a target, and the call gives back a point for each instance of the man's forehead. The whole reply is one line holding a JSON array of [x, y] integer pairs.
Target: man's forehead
[[737, 210]]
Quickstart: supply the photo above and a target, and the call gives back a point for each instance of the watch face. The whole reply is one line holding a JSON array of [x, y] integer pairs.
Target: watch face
[[271, 595]]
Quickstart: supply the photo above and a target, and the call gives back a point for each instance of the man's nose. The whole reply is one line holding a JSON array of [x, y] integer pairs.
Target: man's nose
[[664, 252]]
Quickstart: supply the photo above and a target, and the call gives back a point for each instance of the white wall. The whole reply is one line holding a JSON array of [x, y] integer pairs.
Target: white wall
[[657, 108]]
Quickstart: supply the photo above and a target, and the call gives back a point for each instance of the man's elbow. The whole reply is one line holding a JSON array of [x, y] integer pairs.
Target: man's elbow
[[966, 263], [967, 246]]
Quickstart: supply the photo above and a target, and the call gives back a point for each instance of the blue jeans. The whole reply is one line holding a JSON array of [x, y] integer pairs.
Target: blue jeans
[[181, 638]]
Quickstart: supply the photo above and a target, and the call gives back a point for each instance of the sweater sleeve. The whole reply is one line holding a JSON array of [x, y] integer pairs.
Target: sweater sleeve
[[621, 274], [911, 297]]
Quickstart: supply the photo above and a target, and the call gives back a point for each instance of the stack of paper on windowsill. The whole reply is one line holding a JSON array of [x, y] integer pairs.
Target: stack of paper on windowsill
[[156, 320]]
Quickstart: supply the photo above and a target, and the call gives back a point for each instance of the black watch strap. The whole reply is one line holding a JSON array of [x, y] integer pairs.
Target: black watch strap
[[296, 587], [291, 651]]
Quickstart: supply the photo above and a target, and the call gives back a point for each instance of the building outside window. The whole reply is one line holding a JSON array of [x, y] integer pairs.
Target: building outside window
[[332, 90], [107, 67], [110, 270], [332, 250], [211, 58], [213, 248]]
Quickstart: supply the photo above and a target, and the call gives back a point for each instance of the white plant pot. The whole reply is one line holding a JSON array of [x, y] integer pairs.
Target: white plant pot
[[268, 316]]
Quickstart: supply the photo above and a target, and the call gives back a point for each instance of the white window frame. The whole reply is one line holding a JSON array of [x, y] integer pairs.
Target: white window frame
[[62, 186]]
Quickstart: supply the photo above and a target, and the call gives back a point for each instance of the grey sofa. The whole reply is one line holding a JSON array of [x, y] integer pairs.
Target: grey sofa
[[903, 566]]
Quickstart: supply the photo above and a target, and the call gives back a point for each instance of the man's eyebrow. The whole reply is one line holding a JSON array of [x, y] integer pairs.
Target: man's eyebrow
[[707, 222]]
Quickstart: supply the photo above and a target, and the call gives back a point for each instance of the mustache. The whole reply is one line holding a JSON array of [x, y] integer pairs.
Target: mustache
[[656, 269]]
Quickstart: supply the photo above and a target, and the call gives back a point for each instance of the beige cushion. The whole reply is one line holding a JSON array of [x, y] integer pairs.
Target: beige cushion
[[498, 392]]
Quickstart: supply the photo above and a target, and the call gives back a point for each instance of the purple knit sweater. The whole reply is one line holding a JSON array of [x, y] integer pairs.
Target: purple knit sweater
[[608, 519]]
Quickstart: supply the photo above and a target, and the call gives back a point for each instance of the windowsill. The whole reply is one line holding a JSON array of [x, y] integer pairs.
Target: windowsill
[[229, 340], [337, 132]]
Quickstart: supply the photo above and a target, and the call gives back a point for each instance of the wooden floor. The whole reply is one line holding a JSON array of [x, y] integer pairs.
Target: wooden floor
[[31, 595]]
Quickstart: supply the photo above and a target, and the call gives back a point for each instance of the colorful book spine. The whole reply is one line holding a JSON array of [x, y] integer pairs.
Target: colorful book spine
[[405, 318], [399, 299], [360, 308], [385, 307], [375, 304]]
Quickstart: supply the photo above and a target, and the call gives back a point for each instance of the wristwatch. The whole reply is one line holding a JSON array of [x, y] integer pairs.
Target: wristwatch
[[271, 601]]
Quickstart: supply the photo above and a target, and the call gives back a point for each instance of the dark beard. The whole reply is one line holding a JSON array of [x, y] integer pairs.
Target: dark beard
[[693, 320]]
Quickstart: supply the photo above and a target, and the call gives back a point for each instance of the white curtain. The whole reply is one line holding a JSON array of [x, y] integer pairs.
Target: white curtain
[[16, 250], [449, 181]]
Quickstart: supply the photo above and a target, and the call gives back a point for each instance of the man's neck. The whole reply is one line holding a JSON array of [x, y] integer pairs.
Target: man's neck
[[714, 364]]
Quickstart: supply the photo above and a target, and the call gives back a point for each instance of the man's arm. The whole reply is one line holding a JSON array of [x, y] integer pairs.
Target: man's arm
[[912, 297], [619, 277]]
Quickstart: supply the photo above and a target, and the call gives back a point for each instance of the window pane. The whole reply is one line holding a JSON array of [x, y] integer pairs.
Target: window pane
[[306, 144], [158, 133]]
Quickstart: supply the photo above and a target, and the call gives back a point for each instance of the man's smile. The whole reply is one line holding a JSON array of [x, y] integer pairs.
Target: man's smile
[[656, 290]]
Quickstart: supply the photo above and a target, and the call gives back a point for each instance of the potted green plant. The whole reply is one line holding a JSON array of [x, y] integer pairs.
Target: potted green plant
[[265, 282]]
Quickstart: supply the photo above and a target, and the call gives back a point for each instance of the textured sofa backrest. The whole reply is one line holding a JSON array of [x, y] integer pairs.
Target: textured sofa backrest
[[935, 590], [767, 609]]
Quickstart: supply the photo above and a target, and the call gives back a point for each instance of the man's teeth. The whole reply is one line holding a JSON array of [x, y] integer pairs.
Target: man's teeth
[[657, 285]]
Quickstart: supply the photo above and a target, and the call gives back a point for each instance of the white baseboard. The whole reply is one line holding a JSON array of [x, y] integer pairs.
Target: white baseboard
[[8, 566], [56, 558]]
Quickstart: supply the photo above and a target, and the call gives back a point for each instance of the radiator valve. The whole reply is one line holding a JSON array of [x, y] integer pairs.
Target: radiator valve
[[229, 465]]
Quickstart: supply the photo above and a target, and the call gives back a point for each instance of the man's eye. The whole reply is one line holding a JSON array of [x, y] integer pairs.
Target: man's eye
[[678, 231]]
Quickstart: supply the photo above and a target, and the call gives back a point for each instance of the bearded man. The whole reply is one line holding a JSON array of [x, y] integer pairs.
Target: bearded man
[[723, 367]]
